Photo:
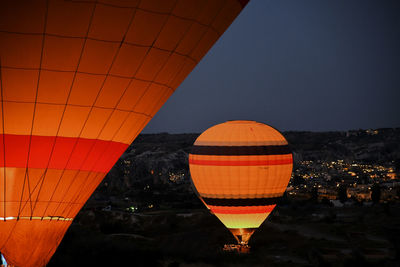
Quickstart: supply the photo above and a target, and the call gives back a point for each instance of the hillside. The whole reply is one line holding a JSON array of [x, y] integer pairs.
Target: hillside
[[145, 211]]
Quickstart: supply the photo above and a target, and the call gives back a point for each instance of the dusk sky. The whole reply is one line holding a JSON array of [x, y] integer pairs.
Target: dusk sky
[[296, 65]]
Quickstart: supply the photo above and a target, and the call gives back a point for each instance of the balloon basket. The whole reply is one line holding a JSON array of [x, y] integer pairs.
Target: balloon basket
[[237, 248]]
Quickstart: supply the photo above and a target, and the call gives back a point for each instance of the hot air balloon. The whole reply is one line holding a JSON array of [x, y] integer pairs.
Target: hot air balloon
[[79, 80], [240, 169]]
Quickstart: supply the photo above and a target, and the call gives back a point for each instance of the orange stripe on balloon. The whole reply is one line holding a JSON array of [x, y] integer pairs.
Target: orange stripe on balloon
[[52, 152], [240, 162], [241, 210]]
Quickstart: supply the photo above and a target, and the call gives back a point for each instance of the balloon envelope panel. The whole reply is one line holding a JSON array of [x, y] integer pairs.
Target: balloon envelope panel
[[79, 81]]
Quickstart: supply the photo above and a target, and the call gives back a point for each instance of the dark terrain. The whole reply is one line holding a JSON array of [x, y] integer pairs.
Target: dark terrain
[[145, 213]]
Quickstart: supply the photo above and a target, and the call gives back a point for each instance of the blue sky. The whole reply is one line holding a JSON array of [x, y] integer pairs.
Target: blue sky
[[296, 65]]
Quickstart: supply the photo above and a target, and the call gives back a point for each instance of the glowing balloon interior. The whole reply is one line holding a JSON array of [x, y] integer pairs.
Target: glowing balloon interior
[[240, 169], [79, 80]]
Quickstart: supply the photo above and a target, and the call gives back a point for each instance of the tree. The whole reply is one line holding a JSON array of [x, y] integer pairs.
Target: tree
[[314, 194], [376, 193], [297, 180], [342, 193]]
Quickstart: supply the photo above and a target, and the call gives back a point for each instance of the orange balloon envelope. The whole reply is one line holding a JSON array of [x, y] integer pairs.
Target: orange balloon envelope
[[79, 80], [240, 169]]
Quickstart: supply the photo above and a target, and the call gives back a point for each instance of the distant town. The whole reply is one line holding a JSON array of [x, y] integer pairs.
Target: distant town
[[359, 166], [327, 179]]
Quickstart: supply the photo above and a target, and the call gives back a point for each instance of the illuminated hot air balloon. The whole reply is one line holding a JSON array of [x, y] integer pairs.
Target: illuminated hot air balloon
[[240, 169], [79, 80]]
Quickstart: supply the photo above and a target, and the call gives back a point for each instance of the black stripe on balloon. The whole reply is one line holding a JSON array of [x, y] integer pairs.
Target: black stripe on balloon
[[235, 202], [240, 150]]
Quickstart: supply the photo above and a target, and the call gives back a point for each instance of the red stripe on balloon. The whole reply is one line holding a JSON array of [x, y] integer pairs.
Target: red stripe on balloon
[[241, 162], [241, 210], [69, 153]]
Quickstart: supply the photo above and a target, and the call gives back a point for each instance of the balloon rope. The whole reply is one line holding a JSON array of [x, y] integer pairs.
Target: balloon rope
[[26, 177], [65, 107]]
